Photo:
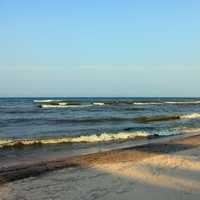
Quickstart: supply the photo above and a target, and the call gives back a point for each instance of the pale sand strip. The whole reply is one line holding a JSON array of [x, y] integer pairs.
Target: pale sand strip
[[167, 170]]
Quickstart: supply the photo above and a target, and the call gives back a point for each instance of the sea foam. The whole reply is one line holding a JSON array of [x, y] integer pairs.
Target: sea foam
[[191, 116], [46, 100], [150, 119], [61, 105], [98, 104], [104, 137]]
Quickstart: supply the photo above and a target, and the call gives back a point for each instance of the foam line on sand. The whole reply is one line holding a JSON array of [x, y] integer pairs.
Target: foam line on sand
[[141, 150]]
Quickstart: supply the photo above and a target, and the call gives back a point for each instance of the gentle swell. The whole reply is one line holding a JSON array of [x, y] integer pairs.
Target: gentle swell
[[67, 120], [105, 137], [103, 119]]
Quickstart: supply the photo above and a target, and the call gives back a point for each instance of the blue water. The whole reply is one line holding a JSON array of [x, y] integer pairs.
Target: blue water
[[23, 118]]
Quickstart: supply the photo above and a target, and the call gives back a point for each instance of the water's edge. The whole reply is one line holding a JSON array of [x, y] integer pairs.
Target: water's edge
[[13, 173]]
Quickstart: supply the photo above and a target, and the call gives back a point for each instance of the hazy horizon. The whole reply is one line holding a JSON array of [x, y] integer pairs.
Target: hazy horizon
[[134, 97]]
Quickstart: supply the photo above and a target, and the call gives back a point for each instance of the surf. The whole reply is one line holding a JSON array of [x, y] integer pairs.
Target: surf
[[150, 119], [104, 137]]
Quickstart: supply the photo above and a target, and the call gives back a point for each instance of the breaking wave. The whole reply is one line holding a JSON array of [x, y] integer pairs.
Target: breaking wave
[[167, 118], [104, 137], [166, 102], [182, 102], [191, 116], [46, 100], [98, 103], [148, 103], [60, 105], [68, 104]]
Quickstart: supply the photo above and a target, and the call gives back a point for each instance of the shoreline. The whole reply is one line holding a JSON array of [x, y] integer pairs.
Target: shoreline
[[138, 151]]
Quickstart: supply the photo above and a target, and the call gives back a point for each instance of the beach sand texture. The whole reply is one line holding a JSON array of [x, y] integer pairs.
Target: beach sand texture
[[157, 171]]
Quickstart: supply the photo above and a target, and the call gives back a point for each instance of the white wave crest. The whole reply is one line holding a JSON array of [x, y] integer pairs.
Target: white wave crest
[[149, 103], [98, 104], [182, 102], [89, 139], [62, 105], [191, 116], [46, 100], [167, 102]]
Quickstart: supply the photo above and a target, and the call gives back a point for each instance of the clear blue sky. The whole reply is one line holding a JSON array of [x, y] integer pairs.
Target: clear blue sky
[[99, 48]]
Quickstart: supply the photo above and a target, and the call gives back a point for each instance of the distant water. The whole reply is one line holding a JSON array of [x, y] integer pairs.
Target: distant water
[[58, 120], [84, 125]]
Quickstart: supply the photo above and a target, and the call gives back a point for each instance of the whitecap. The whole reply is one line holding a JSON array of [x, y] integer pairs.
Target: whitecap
[[104, 137]]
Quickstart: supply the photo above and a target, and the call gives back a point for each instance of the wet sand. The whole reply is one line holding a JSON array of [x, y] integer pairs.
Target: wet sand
[[159, 170]]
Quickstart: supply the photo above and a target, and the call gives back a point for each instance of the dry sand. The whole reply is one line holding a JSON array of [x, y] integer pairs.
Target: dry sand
[[169, 170]]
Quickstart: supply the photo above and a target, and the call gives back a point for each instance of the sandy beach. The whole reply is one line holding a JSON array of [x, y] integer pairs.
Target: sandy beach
[[162, 170], [99, 100]]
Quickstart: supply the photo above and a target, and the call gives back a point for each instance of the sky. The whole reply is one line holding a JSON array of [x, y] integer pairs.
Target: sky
[[99, 48]]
